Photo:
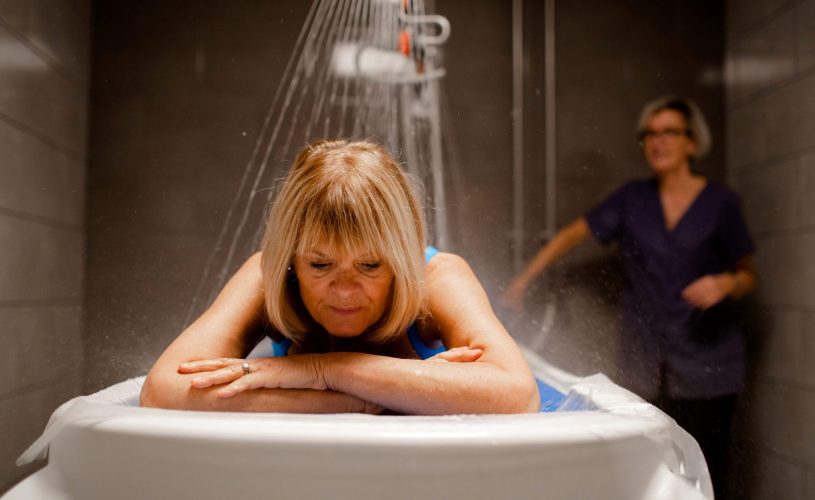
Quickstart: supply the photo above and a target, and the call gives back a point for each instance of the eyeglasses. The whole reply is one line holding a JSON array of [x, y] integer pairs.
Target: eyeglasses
[[670, 133]]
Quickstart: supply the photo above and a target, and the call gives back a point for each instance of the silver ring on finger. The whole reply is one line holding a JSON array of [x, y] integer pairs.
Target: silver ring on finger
[[246, 369]]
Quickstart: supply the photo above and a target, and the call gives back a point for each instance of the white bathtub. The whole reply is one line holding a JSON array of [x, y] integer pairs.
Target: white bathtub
[[617, 447]]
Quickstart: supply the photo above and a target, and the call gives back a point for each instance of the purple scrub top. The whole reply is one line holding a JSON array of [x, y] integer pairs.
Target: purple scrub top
[[665, 341]]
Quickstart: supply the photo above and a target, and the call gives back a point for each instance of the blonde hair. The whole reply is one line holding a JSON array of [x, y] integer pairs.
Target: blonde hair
[[698, 129], [351, 194]]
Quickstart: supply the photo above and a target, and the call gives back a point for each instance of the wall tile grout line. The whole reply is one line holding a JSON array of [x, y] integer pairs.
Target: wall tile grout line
[[69, 376], [41, 303], [786, 458], [756, 449], [763, 167], [756, 96], [756, 167], [769, 234], [791, 384], [751, 29], [57, 67], [786, 308], [76, 155], [46, 221]]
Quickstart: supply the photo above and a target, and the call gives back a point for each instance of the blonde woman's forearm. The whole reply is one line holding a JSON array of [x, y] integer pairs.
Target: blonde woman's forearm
[[417, 387]]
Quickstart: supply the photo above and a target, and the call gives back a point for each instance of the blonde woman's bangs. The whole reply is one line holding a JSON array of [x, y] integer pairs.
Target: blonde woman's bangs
[[335, 222]]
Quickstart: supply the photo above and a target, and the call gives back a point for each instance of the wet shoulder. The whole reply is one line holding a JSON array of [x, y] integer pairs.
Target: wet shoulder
[[444, 262]]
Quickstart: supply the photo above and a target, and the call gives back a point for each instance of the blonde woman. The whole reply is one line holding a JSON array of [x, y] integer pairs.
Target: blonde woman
[[352, 300]]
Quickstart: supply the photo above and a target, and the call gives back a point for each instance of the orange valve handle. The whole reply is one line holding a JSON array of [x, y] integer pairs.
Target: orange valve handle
[[404, 43]]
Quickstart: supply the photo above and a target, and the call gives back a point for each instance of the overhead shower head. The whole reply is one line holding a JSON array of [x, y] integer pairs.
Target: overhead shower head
[[352, 60]]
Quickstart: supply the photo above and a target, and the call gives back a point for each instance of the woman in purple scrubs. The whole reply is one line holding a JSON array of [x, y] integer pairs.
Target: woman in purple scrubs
[[686, 254]]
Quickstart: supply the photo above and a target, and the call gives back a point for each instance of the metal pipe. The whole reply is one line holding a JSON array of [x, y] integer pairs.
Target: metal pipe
[[551, 136], [517, 135], [440, 21]]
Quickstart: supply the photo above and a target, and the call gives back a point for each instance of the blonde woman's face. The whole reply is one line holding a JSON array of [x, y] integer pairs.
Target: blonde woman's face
[[344, 292]]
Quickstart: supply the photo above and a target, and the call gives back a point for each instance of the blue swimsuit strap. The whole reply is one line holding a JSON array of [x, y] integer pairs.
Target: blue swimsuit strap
[[416, 342], [419, 346], [280, 349]]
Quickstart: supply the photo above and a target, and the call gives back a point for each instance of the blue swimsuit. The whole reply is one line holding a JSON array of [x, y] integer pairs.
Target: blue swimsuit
[[282, 348], [549, 396]]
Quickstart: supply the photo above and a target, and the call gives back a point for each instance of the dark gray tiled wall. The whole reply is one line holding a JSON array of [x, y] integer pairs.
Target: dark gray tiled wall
[[181, 89], [44, 78], [771, 143]]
